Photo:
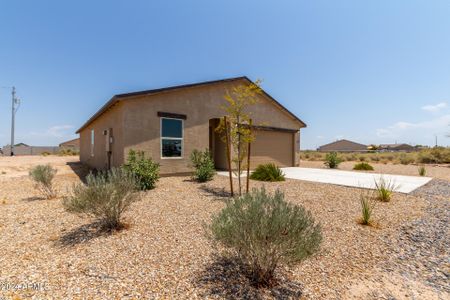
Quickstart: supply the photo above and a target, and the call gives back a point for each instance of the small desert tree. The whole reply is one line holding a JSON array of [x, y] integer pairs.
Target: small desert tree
[[43, 176], [239, 119]]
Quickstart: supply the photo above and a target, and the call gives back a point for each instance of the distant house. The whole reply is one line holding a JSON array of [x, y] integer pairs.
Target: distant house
[[343, 146], [396, 148], [72, 144]]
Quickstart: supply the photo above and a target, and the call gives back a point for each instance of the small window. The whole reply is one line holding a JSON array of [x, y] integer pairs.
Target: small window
[[171, 138], [92, 142]]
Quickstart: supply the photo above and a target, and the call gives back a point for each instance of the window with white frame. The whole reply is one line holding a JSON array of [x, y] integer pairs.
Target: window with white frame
[[171, 138], [92, 142]]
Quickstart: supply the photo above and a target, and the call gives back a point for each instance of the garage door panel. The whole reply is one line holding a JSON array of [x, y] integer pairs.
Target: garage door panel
[[272, 147]]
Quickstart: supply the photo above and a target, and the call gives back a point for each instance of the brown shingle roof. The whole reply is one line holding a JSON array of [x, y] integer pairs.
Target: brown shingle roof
[[120, 97]]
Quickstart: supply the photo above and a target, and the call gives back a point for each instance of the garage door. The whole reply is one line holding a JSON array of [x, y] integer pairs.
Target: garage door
[[272, 147]]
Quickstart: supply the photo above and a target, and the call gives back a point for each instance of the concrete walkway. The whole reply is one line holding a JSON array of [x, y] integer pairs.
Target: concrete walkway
[[404, 184]]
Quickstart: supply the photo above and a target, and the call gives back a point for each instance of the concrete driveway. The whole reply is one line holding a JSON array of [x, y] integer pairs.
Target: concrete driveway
[[405, 184]]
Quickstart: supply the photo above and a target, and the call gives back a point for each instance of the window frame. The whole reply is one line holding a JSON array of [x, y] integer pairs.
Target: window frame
[[92, 142], [161, 138]]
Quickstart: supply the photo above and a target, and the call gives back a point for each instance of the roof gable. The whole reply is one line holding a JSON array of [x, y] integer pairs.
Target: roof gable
[[120, 97]]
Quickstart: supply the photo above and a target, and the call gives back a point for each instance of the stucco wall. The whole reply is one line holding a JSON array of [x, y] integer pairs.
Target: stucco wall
[[110, 119], [200, 104]]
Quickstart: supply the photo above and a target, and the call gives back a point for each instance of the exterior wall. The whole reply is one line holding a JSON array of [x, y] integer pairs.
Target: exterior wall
[[30, 150], [111, 119], [141, 125]]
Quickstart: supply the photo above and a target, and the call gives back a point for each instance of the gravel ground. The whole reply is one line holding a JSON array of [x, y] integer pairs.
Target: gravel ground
[[435, 171], [164, 252]]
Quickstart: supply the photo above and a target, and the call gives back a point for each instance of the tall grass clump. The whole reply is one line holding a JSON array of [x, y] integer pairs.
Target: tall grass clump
[[384, 189], [145, 170], [367, 206], [264, 230], [268, 172], [203, 165], [422, 171], [43, 176], [332, 160], [363, 166], [105, 196]]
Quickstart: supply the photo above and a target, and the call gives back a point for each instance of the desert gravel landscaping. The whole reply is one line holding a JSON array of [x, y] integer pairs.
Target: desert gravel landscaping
[[164, 251], [436, 171]]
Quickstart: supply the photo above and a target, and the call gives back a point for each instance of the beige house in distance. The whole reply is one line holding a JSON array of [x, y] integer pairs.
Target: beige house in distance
[[343, 146], [169, 123]]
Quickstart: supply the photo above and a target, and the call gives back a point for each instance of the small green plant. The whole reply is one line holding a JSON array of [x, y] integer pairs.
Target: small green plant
[[268, 172], [43, 176], [45, 153], [105, 196], [362, 158], [422, 171], [144, 169], [203, 165], [363, 166], [68, 152], [332, 160], [367, 206], [265, 230], [384, 189], [406, 159]]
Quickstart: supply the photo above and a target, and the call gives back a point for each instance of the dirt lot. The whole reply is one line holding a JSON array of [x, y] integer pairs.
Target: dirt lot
[[165, 253], [435, 171], [17, 166]]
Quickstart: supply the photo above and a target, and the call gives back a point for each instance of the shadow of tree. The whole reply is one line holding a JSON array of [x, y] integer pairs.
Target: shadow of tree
[[83, 234], [217, 193], [228, 278], [33, 198]]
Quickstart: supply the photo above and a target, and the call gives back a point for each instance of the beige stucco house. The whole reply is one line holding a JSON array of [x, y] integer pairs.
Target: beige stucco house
[[169, 123]]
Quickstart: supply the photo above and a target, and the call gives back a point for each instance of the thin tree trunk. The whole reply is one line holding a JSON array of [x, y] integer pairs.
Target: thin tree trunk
[[248, 156], [239, 156], [227, 136]]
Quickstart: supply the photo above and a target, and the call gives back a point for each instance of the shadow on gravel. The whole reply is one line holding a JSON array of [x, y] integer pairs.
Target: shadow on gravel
[[34, 198], [217, 193], [226, 278], [79, 169], [82, 234]]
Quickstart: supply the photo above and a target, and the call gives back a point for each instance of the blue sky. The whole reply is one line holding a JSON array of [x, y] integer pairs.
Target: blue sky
[[370, 71]]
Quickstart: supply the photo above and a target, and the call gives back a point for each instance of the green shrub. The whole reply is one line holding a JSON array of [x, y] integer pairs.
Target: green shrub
[[68, 152], [363, 166], [45, 153], [436, 155], [43, 176], [367, 206], [203, 165], [362, 158], [422, 171], [268, 172], [105, 196], [332, 160], [265, 230], [406, 159], [144, 169], [384, 189]]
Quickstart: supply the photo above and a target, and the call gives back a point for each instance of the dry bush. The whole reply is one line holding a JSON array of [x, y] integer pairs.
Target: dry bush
[[43, 176], [265, 230], [105, 196]]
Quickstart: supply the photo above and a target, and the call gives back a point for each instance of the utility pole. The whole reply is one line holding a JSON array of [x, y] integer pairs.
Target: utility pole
[[435, 136], [14, 101]]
